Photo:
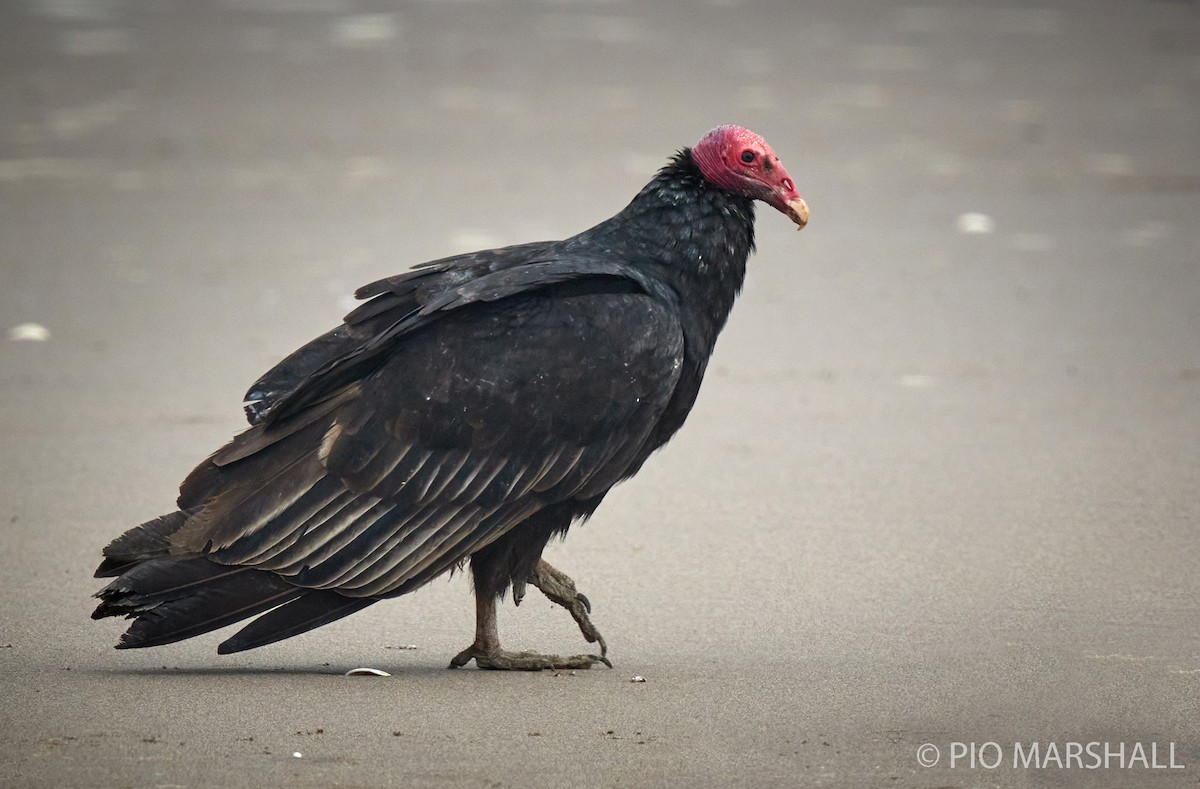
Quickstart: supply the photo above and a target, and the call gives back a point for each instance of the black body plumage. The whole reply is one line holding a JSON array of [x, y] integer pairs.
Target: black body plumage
[[473, 407]]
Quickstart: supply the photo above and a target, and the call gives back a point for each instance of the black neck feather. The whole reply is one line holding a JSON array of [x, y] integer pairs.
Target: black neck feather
[[689, 234]]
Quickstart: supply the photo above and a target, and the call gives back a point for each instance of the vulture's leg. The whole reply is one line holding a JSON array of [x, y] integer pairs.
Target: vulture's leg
[[515, 559], [487, 653], [557, 586]]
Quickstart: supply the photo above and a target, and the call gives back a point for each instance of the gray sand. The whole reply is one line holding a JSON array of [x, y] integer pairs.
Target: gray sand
[[940, 486]]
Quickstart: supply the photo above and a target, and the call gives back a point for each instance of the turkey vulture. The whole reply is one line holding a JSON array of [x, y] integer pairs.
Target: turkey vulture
[[471, 408]]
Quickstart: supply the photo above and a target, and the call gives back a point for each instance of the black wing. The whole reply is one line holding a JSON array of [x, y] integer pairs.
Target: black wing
[[405, 302], [397, 296], [497, 397]]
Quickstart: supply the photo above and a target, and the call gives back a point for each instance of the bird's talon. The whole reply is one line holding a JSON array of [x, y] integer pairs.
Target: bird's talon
[[503, 660], [581, 597], [462, 658]]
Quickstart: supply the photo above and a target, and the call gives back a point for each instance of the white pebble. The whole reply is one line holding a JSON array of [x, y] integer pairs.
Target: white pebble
[[975, 222], [29, 332], [637, 678], [297, 754]]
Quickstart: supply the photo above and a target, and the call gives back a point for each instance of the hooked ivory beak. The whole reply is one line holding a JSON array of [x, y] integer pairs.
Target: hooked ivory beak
[[797, 210]]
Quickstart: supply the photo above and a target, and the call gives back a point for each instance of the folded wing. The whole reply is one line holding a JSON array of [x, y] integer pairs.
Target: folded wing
[[483, 403]]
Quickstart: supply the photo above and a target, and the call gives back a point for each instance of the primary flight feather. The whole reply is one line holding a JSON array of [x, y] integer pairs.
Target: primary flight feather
[[471, 408]]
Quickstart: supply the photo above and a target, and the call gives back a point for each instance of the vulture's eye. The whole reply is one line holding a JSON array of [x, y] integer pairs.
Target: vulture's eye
[[747, 156]]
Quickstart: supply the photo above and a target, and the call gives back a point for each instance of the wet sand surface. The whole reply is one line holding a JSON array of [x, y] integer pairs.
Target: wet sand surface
[[942, 484]]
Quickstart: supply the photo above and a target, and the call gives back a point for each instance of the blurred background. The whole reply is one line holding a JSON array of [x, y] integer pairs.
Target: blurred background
[[943, 480]]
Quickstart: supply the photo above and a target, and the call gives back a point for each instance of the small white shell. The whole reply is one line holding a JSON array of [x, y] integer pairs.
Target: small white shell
[[366, 672], [29, 332], [637, 678], [974, 222]]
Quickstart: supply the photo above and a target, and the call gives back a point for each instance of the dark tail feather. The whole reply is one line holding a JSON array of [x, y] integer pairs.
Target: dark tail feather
[[311, 610], [171, 600], [140, 544]]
